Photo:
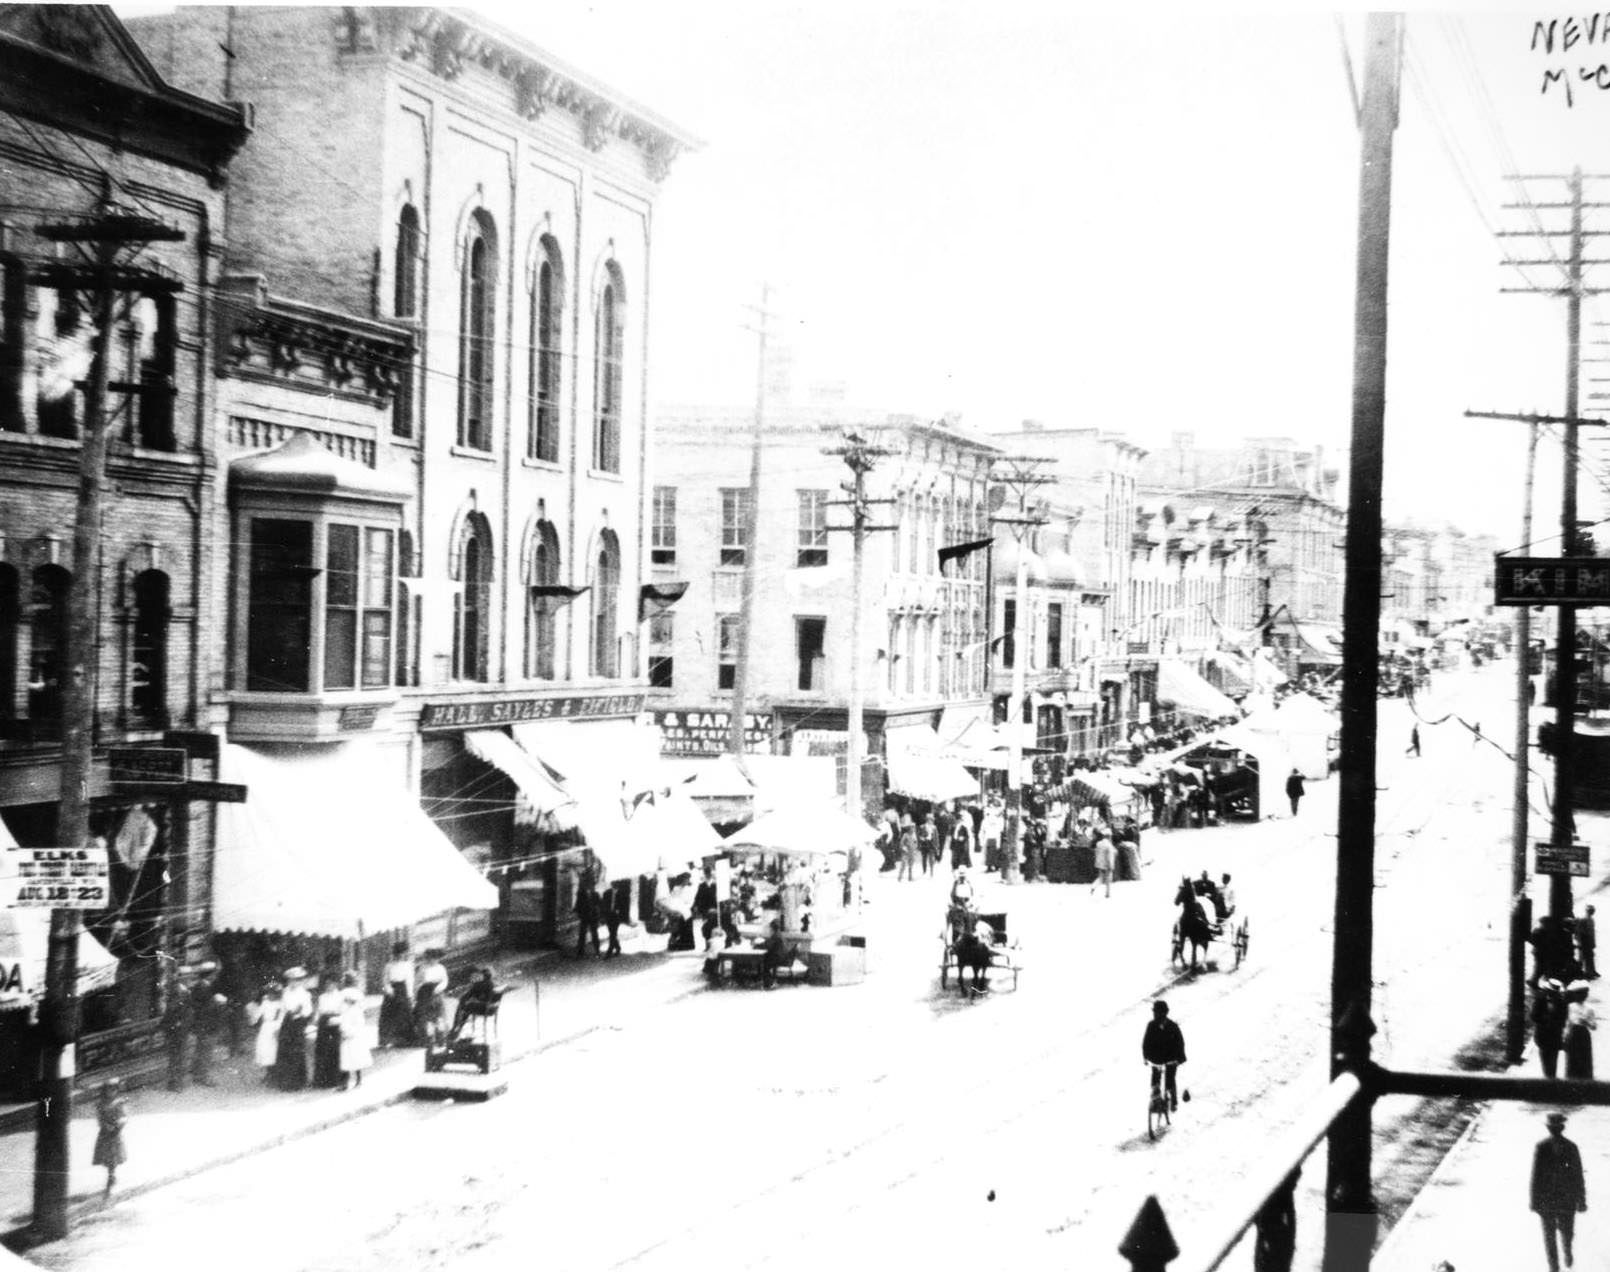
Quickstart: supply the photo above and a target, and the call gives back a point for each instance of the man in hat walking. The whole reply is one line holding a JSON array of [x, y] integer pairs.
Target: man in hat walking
[[1559, 1192], [1587, 943]]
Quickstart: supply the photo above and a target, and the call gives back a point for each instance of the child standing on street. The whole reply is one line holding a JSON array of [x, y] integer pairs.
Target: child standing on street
[[112, 1113]]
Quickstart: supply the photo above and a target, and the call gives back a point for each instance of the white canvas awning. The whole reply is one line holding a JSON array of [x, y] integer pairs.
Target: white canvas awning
[[540, 794], [1180, 685], [803, 830], [917, 769], [330, 843]]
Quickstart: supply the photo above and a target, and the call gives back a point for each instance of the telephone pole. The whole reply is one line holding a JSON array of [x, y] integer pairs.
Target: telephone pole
[[106, 241], [1520, 915], [1573, 289], [1350, 1210], [861, 457], [1022, 476], [751, 525]]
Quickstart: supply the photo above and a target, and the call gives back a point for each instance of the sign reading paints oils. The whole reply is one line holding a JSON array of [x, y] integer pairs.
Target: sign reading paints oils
[[706, 732]]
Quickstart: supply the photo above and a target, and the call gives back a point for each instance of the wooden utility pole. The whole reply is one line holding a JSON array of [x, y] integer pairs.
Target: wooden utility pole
[[1349, 1201], [103, 239], [751, 524], [1573, 288], [860, 456], [1520, 904], [1021, 476]]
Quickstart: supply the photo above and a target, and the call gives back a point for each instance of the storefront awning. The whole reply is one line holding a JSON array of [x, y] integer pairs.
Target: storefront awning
[[917, 770], [332, 844], [1318, 643], [1178, 684], [1235, 671], [539, 794]]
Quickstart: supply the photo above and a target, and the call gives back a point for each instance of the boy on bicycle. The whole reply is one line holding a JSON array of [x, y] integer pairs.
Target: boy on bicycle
[[1163, 1045]]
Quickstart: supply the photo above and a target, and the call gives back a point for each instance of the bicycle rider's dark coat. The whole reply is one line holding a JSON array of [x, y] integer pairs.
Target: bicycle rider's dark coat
[[1163, 1043]]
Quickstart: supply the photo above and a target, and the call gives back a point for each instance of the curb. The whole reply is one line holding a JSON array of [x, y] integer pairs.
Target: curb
[[19, 1238], [1383, 1252]]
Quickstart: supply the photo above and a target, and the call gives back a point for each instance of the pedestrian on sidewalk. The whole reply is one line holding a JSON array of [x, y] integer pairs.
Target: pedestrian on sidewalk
[[1587, 942], [1548, 1024], [178, 1026], [1295, 789], [111, 1116], [587, 913], [397, 1007], [961, 844], [209, 1008], [265, 1014], [354, 1026], [1559, 1191], [1580, 1022], [290, 1057], [613, 905], [327, 1036], [926, 832], [1414, 742]]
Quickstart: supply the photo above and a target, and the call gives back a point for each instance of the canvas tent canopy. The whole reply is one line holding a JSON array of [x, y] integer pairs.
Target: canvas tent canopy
[[1273, 760]]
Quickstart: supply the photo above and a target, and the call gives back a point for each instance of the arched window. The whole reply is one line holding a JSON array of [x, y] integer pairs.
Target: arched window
[[542, 570], [10, 613], [474, 616], [148, 649], [47, 660], [405, 304], [477, 336], [547, 330], [606, 605], [608, 349]]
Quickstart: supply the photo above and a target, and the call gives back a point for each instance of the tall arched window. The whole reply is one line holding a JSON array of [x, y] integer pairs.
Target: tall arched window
[[608, 349], [474, 616], [10, 615], [47, 660], [606, 605], [547, 328], [541, 618], [148, 649], [477, 335], [405, 304]]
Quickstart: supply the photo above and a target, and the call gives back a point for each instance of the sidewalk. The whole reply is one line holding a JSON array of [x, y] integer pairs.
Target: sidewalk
[[553, 999]]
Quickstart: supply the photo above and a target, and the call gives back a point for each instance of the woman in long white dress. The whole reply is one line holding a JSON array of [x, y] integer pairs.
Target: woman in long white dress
[[355, 1053], [265, 1014]]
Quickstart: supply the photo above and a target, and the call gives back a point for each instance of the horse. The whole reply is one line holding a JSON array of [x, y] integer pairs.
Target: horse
[[1193, 925], [973, 952]]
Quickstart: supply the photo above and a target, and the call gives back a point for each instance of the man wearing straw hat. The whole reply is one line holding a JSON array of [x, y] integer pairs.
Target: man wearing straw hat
[[1559, 1192]]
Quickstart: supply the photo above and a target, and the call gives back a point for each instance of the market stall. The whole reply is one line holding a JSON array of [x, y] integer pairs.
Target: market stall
[[1245, 771]]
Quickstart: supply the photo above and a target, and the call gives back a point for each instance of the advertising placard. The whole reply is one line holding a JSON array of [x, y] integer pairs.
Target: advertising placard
[[57, 878]]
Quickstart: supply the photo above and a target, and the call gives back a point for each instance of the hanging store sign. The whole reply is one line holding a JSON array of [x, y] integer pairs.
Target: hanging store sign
[[706, 732], [148, 765], [481, 712], [57, 878], [1551, 580], [1555, 859]]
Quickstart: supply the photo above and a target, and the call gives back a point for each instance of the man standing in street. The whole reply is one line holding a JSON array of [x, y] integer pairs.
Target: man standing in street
[[1587, 941], [1414, 742], [1163, 1044], [587, 915], [1295, 790], [1559, 1192]]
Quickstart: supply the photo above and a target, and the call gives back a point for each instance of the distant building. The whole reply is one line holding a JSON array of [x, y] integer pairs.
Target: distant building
[[924, 629], [1286, 493]]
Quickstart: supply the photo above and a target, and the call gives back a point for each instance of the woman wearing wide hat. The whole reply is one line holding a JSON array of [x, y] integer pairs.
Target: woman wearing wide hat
[[290, 1061]]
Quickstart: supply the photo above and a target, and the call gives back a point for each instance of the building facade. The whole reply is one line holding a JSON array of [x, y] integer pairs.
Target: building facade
[[463, 269], [88, 128], [924, 625]]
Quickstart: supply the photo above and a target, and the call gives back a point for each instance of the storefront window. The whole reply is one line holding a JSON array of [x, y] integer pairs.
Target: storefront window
[[279, 623]]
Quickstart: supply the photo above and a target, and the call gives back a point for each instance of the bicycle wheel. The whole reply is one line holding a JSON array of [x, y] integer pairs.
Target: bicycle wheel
[[1242, 940], [1156, 1116]]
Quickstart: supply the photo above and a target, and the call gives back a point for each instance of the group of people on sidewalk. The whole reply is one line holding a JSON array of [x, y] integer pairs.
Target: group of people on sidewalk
[[1562, 1019], [331, 1010]]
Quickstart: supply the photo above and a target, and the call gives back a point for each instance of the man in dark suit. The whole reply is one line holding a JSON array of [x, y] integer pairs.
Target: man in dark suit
[[1163, 1044], [1559, 1192]]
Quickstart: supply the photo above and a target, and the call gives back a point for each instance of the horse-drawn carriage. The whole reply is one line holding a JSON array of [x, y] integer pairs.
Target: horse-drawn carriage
[[1196, 929], [977, 942]]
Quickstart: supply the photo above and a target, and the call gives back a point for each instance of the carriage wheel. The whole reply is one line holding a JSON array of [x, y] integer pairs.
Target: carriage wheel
[[1156, 1116], [1241, 942], [1177, 957]]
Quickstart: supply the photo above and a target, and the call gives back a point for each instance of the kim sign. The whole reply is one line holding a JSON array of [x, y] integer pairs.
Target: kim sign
[[1551, 580]]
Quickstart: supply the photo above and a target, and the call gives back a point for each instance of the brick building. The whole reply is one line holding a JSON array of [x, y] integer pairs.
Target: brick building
[[87, 122], [466, 261], [923, 630]]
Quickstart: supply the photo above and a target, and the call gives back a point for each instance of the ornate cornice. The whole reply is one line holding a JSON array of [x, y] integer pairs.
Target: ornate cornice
[[314, 349], [448, 42]]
